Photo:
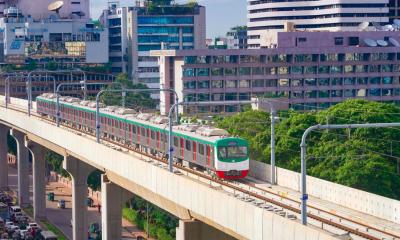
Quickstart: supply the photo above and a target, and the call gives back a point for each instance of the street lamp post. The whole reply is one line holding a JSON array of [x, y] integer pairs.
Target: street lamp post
[[76, 84], [29, 82], [126, 91], [7, 90], [303, 145]]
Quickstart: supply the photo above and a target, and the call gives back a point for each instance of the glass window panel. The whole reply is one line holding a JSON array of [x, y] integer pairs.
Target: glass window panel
[[230, 71], [361, 92], [231, 83], [201, 72], [244, 71], [257, 71], [284, 82], [349, 81], [376, 92], [217, 71], [217, 84], [337, 81], [283, 70], [387, 80], [203, 84], [188, 72], [349, 93], [296, 82], [362, 81], [297, 70], [324, 69], [348, 69], [258, 83], [375, 80], [336, 69], [230, 96], [311, 94], [336, 93], [244, 83], [323, 81], [310, 82], [310, 70], [323, 94], [387, 92]]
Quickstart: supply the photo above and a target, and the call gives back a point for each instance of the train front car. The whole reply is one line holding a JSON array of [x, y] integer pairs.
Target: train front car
[[232, 158]]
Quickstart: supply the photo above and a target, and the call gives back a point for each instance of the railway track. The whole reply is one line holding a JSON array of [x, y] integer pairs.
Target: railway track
[[261, 197]]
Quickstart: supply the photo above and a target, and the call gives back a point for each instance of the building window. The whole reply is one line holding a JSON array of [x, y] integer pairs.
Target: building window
[[323, 81], [244, 83], [203, 72], [204, 84], [257, 83], [354, 41], [244, 71], [188, 72], [217, 71], [230, 72], [217, 84], [231, 84], [338, 41]]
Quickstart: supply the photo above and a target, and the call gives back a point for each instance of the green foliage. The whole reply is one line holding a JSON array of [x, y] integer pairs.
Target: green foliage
[[94, 180], [133, 100], [55, 161], [12, 144], [52, 66], [361, 158], [162, 225]]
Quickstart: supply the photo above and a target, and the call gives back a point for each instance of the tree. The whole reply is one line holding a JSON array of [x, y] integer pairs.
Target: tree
[[361, 158], [133, 100]]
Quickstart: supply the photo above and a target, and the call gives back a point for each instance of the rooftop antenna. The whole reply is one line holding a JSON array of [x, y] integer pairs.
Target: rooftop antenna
[[56, 6]]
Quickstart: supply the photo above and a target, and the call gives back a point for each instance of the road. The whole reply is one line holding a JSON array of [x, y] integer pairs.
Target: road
[[61, 218]]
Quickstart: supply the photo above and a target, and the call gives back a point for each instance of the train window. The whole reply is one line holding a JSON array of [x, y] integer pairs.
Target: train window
[[163, 137], [201, 149], [188, 145], [176, 142], [133, 129], [153, 135], [143, 132]]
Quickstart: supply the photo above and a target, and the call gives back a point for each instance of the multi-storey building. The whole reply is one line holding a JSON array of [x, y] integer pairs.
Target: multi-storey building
[[307, 70], [151, 27], [266, 18], [115, 19], [38, 10], [164, 27], [64, 41], [394, 10], [237, 37]]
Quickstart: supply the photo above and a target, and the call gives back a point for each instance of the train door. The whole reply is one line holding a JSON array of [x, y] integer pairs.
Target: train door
[[194, 151], [182, 145], [208, 155], [148, 137], [158, 139]]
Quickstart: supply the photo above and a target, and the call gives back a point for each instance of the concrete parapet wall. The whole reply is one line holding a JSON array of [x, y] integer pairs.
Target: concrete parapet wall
[[238, 218], [362, 201]]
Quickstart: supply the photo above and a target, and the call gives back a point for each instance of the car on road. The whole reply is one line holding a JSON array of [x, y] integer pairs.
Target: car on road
[[33, 225], [61, 204]]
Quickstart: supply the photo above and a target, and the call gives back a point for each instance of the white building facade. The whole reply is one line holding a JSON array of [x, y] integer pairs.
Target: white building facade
[[37, 9], [267, 17]]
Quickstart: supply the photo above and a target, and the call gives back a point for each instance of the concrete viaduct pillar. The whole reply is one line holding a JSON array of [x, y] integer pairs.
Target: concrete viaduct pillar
[[3, 157], [112, 198], [39, 179], [23, 168], [196, 230], [79, 172]]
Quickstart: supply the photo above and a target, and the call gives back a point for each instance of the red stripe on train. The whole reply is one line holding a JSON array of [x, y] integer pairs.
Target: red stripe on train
[[222, 174]]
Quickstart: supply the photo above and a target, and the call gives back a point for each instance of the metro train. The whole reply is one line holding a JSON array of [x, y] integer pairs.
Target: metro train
[[201, 147]]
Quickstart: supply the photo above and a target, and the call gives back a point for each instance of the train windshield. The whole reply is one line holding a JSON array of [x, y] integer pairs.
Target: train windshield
[[232, 152]]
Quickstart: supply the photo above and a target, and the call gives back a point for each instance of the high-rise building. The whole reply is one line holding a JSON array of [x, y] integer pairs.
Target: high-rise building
[[37, 9], [151, 27], [237, 37], [266, 18], [115, 19], [394, 10]]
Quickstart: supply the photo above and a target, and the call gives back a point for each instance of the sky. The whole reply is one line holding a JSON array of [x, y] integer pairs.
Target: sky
[[221, 14]]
